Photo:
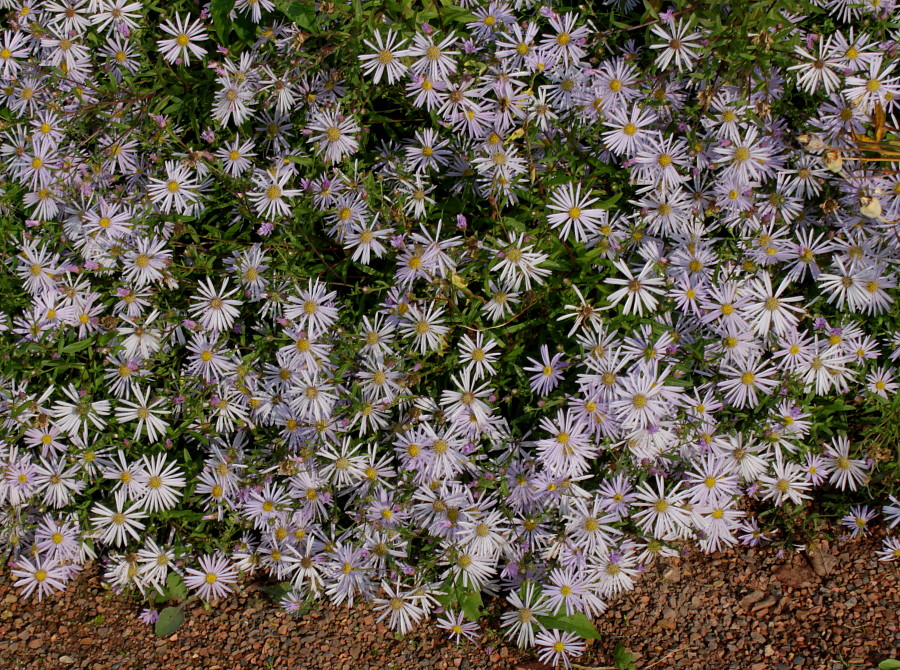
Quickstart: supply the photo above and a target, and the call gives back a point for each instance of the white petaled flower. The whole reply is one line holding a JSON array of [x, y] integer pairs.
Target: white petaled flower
[[573, 212], [128, 476], [234, 101], [638, 292], [890, 550], [144, 412], [518, 262], [478, 355], [846, 472], [662, 513], [269, 199], [178, 191], [819, 70], [334, 134], [434, 60], [57, 483], [79, 413], [745, 379], [14, 47], [678, 46], [182, 45], [385, 62], [42, 577], [214, 579], [236, 156], [556, 647], [161, 482], [254, 7], [873, 87], [457, 628], [215, 309], [788, 481], [111, 14], [117, 524], [747, 159], [768, 311], [467, 398], [523, 622], [154, 564], [403, 607], [629, 128], [564, 45], [425, 326], [313, 309]]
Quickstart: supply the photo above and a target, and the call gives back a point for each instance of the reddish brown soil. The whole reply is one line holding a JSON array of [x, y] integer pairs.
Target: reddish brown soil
[[748, 610]]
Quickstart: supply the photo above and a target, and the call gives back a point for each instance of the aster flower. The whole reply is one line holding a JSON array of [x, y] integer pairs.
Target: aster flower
[[456, 627], [890, 550], [478, 355], [548, 371], [857, 520], [269, 200], [118, 523], [662, 512], [215, 309], [787, 482], [770, 312], [819, 70], [846, 472], [558, 647], [313, 308], [161, 483], [178, 191], [385, 61], [564, 45], [425, 327], [679, 46], [183, 43], [519, 263], [334, 134], [638, 292], [145, 412], [404, 607], [214, 579], [42, 577], [572, 211], [433, 59], [523, 622]]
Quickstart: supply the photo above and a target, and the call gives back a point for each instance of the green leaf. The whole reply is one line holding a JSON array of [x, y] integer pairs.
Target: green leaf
[[470, 602], [77, 346], [220, 11], [244, 28], [576, 623], [609, 202], [176, 587], [300, 12], [889, 664], [278, 591], [300, 160], [623, 658], [170, 620]]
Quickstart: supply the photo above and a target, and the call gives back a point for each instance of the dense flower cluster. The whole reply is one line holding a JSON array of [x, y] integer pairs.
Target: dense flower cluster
[[577, 308]]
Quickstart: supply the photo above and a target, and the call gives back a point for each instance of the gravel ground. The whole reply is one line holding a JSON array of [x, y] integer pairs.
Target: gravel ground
[[748, 610]]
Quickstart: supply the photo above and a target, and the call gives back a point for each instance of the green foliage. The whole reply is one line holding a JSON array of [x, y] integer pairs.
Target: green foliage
[[170, 620], [278, 591], [623, 658], [576, 623], [466, 599]]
